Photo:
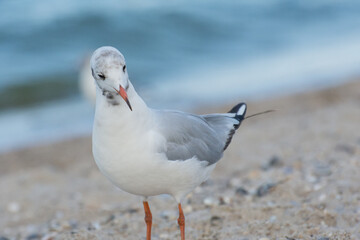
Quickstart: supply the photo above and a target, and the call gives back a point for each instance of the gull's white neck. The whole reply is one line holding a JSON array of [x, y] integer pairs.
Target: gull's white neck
[[116, 126], [119, 114]]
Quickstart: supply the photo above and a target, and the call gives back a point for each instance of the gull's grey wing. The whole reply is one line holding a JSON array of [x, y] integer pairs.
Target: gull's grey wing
[[187, 135]]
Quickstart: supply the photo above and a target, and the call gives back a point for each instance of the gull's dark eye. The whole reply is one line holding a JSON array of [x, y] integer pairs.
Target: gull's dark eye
[[124, 68], [102, 76]]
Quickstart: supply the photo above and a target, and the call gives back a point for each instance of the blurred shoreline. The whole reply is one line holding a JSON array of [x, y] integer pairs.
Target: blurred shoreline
[[77, 129], [68, 118]]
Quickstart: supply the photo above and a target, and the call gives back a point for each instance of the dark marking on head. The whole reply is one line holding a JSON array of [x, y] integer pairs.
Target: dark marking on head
[[101, 76], [92, 72], [114, 103], [108, 59], [107, 53], [108, 94], [111, 99]]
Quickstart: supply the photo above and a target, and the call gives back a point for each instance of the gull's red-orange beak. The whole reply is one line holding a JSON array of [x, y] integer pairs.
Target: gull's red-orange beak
[[123, 94]]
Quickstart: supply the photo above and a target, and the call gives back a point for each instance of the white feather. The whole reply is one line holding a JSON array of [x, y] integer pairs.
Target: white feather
[[241, 110]]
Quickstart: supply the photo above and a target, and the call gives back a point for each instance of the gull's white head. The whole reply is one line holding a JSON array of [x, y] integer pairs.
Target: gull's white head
[[108, 68]]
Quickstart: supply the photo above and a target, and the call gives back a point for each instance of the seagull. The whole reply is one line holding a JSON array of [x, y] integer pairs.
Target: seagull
[[148, 152]]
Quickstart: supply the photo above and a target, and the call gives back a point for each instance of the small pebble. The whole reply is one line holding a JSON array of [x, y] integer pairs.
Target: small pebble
[[32, 229], [54, 225], [358, 210], [73, 224], [270, 204], [264, 189], [66, 225], [109, 219], [132, 210], [59, 214], [94, 226], [241, 191], [168, 214], [322, 170], [288, 170], [215, 220], [209, 201], [226, 200], [13, 207], [254, 174], [345, 148], [49, 236], [235, 182], [107, 207], [198, 190], [294, 203], [164, 236], [311, 179], [272, 219], [322, 197], [188, 209], [274, 161], [323, 238], [317, 187], [124, 227], [34, 236]]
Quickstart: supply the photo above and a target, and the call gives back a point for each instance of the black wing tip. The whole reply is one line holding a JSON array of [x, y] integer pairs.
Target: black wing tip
[[239, 110]]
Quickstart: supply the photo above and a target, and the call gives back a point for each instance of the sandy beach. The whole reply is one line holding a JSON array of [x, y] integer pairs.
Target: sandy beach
[[292, 174]]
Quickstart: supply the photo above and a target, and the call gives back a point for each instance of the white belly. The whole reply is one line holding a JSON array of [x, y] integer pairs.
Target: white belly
[[132, 163]]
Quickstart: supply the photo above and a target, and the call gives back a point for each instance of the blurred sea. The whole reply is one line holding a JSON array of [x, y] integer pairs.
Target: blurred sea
[[180, 54]]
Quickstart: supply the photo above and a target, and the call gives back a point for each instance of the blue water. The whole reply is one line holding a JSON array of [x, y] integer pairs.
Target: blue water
[[179, 53]]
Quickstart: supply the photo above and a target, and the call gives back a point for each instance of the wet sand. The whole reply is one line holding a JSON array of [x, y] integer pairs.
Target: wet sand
[[292, 174]]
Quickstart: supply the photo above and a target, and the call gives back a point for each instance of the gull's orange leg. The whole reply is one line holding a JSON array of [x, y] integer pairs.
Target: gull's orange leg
[[148, 220], [181, 222]]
